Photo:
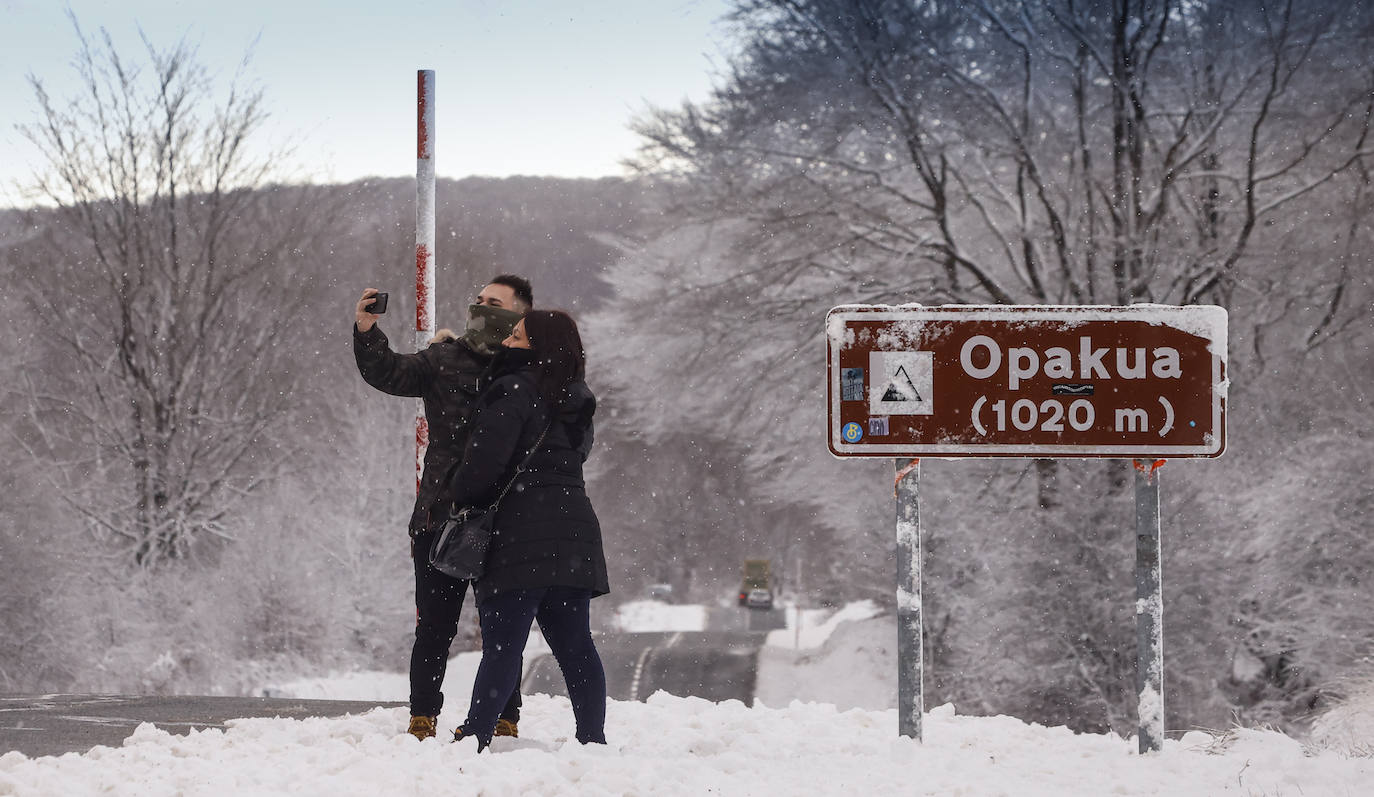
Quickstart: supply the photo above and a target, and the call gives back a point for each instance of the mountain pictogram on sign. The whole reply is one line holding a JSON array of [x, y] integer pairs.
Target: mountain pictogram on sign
[[901, 383], [901, 388]]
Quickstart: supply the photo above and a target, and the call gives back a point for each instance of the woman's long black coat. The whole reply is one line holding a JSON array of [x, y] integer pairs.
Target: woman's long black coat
[[546, 532]]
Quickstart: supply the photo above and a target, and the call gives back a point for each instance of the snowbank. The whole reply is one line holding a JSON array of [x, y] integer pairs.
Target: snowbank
[[855, 666], [384, 687], [394, 687], [684, 746], [646, 616], [1348, 725], [847, 658], [810, 628]]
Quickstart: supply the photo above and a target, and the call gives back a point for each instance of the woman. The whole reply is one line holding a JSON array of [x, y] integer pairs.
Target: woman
[[546, 561]]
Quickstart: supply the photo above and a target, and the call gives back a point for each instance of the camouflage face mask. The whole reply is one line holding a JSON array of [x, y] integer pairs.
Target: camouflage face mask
[[488, 326]]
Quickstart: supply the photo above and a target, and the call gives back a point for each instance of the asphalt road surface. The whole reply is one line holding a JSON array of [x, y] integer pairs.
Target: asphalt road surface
[[712, 665], [39, 725]]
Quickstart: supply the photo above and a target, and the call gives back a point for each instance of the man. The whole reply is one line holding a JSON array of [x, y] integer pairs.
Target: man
[[446, 376]]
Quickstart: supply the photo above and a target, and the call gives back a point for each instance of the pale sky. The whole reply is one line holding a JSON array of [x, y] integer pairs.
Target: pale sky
[[523, 86]]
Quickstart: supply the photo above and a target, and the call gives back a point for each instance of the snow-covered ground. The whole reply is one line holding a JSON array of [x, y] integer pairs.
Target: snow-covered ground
[[687, 746]]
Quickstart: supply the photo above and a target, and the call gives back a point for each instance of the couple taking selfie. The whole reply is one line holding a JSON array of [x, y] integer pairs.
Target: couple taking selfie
[[510, 417]]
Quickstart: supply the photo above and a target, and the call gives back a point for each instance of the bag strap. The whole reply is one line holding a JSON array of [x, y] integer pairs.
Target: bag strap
[[519, 469]]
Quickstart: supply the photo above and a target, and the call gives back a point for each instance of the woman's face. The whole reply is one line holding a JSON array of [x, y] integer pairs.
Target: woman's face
[[517, 339]]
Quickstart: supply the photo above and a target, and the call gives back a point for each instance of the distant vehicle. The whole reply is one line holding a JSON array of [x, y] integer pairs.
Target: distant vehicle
[[757, 590]]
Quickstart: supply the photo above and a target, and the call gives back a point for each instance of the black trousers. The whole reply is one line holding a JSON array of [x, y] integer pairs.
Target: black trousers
[[438, 600], [564, 618]]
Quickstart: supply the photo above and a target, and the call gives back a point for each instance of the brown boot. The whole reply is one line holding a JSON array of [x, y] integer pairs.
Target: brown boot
[[422, 727], [506, 728]]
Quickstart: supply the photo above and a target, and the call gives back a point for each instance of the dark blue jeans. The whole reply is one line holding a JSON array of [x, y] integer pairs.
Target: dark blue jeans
[[563, 615], [438, 600]]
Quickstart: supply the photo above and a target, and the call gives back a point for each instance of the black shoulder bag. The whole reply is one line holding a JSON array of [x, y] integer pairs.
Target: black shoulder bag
[[460, 550]]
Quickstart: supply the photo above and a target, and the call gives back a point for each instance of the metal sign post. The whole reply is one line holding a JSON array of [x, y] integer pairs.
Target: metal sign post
[[1149, 608], [424, 244], [1144, 382], [910, 648]]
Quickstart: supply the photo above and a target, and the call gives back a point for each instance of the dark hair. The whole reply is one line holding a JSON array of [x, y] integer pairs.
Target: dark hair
[[520, 285], [557, 347]]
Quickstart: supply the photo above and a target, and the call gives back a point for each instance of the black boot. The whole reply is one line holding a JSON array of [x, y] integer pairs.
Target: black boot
[[460, 733]]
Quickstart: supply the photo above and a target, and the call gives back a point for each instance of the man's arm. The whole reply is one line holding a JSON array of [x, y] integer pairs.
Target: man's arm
[[382, 368]]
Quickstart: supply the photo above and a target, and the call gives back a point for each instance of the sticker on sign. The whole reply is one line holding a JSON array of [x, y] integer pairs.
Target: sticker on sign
[[1027, 381]]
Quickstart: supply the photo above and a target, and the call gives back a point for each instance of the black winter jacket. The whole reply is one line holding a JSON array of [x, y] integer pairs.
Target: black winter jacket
[[546, 533], [445, 375]]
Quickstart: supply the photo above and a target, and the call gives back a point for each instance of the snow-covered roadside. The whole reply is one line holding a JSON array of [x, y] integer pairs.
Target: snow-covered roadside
[[384, 687], [846, 658], [685, 746], [854, 666], [642, 616], [393, 687], [810, 628]]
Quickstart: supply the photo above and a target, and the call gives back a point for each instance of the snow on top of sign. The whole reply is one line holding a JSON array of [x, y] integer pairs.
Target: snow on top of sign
[[1204, 321], [901, 336], [835, 328]]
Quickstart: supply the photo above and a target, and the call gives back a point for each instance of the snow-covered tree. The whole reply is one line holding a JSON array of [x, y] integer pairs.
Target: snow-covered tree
[[1101, 152]]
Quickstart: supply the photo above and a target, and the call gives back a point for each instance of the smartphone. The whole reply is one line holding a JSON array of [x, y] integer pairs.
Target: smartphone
[[378, 305]]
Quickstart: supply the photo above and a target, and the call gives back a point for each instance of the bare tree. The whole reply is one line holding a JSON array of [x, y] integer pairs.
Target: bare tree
[[159, 296]]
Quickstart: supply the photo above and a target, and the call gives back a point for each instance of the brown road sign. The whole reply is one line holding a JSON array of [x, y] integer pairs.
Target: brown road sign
[[1143, 381]]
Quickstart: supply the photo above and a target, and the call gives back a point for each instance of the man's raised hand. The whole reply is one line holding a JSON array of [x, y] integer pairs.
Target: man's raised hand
[[366, 319]]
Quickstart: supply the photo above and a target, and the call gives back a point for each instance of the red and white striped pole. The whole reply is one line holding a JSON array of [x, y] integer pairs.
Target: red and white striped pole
[[424, 245]]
